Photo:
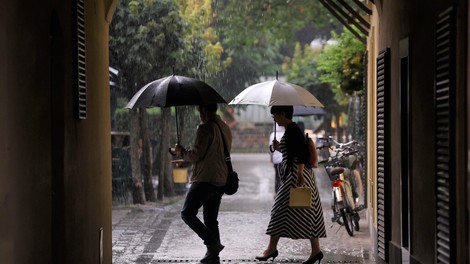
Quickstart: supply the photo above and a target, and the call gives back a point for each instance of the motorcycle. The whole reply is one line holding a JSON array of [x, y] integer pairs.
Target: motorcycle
[[343, 169]]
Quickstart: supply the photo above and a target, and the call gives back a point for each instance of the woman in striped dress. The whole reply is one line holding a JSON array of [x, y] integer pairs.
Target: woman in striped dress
[[285, 221]]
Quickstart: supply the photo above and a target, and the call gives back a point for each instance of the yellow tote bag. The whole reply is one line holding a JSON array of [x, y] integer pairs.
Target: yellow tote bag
[[300, 197]]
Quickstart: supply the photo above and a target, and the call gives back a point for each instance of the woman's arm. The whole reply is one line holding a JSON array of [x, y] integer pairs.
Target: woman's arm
[[300, 174], [296, 151], [204, 137]]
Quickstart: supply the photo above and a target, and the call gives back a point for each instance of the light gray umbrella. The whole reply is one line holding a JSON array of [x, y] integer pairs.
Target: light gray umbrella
[[275, 92]]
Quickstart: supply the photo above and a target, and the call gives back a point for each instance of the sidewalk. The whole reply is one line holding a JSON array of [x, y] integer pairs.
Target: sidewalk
[[155, 233]]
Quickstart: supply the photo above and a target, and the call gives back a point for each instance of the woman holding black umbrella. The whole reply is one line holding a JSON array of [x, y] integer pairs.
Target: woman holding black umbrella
[[208, 179], [290, 222]]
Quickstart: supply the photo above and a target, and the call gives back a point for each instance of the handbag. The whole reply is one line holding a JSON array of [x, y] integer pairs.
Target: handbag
[[231, 187], [300, 197]]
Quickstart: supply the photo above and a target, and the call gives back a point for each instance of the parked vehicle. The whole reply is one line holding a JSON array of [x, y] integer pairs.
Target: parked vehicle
[[343, 169]]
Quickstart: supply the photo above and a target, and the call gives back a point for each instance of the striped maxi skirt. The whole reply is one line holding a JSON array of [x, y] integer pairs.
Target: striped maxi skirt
[[296, 223]]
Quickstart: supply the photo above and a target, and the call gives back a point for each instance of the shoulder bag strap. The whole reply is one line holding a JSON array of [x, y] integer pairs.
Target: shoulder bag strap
[[228, 160]]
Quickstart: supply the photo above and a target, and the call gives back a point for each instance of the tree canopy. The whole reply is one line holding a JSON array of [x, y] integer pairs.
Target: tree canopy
[[302, 70], [342, 65], [145, 40], [255, 34]]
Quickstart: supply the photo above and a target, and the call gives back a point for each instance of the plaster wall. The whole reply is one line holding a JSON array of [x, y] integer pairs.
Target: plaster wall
[[25, 129], [55, 170]]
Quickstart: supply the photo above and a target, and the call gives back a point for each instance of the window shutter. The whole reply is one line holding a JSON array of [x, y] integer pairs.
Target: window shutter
[[444, 102], [80, 100], [383, 156]]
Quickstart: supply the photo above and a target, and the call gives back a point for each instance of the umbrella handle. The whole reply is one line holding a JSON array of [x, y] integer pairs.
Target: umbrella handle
[[271, 147], [178, 136]]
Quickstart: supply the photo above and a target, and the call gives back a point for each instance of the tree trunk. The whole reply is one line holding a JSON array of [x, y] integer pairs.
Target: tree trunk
[[146, 156], [169, 183], [138, 191], [165, 179]]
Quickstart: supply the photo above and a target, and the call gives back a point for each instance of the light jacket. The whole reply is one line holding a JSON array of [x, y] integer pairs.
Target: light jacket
[[207, 154]]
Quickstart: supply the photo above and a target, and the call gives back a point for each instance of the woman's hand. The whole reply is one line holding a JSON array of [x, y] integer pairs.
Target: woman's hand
[[179, 150], [275, 145]]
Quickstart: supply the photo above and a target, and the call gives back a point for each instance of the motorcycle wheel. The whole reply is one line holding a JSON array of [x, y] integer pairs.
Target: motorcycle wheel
[[348, 222]]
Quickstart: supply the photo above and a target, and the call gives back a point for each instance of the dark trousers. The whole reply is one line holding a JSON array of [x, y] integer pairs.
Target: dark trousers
[[208, 197]]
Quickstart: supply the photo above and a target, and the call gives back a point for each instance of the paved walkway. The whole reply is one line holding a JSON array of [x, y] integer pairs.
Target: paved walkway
[[155, 233]]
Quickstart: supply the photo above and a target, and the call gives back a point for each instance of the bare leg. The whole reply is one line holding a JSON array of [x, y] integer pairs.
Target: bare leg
[[272, 246], [315, 243]]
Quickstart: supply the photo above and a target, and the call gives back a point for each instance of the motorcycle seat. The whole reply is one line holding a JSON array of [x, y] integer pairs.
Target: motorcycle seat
[[336, 170]]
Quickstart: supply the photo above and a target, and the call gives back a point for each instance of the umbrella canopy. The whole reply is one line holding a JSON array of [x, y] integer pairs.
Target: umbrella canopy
[[175, 90], [308, 111], [275, 92]]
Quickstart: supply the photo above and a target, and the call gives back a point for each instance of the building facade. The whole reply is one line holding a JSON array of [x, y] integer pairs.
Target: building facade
[[417, 136]]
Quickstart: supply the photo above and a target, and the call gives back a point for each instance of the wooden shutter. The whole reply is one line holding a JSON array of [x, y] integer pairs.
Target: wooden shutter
[[383, 153], [444, 102], [80, 100]]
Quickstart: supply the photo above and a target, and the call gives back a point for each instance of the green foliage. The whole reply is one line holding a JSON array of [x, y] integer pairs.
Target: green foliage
[[139, 32], [229, 44], [342, 65], [302, 70], [151, 39], [203, 51], [261, 23], [145, 41], [254, 33]]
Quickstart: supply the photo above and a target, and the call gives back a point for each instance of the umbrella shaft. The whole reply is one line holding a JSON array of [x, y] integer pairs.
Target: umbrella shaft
[[177, 127]]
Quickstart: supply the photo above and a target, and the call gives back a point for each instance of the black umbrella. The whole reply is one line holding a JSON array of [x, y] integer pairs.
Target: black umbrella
[[175, 90], [308, 110]]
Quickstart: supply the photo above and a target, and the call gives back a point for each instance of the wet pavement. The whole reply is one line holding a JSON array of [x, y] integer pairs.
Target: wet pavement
[[155, 233]]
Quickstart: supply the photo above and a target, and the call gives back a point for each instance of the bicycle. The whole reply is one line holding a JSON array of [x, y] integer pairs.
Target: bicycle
[[342, 169], [351, 161]]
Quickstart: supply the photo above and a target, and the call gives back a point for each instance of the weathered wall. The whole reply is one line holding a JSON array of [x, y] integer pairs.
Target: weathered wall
[[25, 129], [415, 20], [55, 171], [253, 139]]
